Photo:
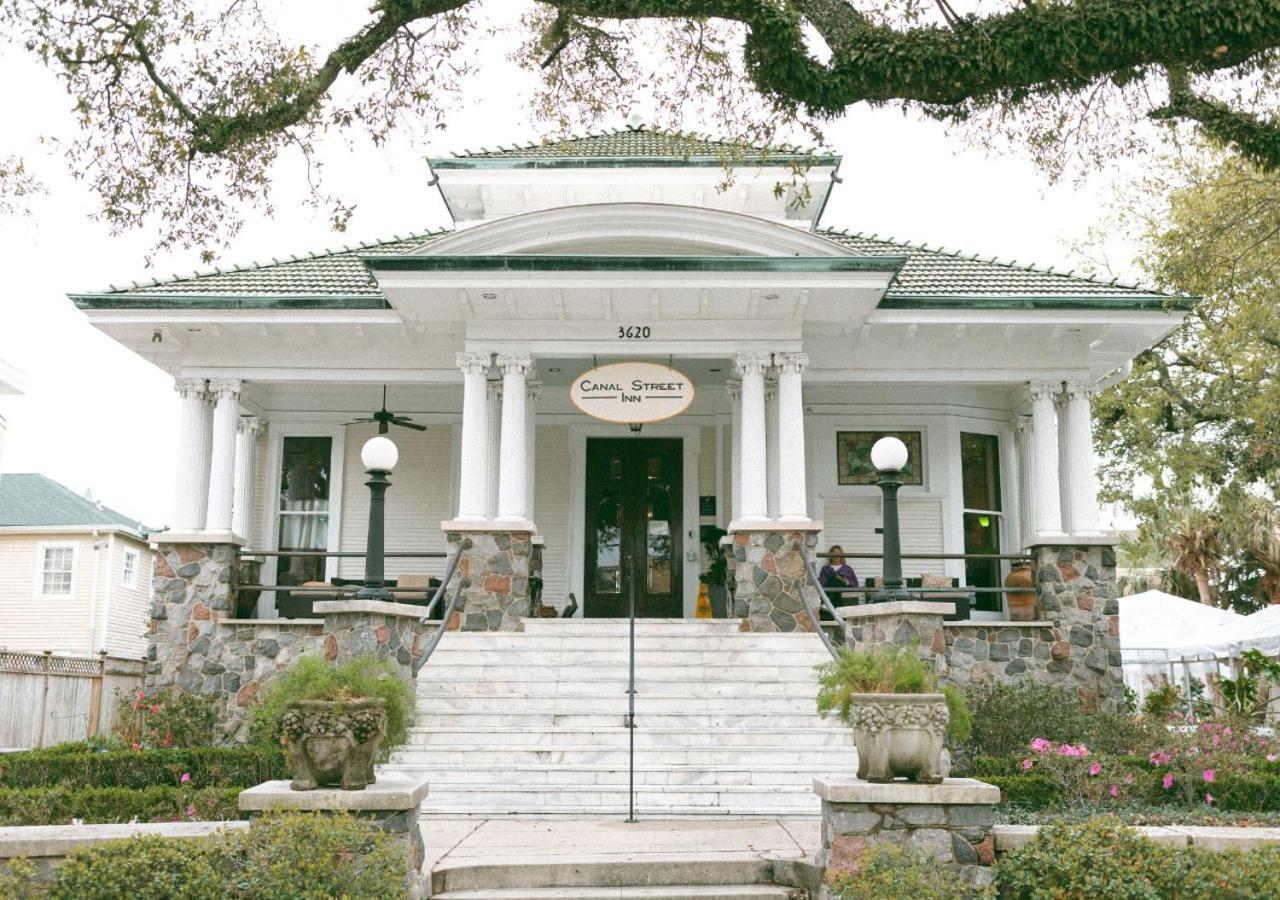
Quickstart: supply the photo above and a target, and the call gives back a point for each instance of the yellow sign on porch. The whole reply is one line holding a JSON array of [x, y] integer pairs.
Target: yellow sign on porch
[[703, 608]]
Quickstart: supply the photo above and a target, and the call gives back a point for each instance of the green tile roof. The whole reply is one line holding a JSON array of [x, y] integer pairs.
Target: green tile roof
[[944, 275], [930, 277], [34, 500], [634, 145]]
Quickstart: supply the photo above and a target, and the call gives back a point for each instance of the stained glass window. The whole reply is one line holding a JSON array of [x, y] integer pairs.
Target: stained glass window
[[853, 456]]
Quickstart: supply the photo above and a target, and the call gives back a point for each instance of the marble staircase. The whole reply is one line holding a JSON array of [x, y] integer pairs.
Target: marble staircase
[[533, 723]]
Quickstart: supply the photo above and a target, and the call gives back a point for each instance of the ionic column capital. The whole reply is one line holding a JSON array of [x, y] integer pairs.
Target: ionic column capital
[[532, 390], [794, 363], [734, 389], [1079, 390], [518, 363], [226, 388], [1022, 425], [474, 363], [752, 363], [188, 387], [251, 425], [493, 389]]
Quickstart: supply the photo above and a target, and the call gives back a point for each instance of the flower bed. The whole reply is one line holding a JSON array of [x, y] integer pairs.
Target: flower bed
[[240, 767], [65, 805]]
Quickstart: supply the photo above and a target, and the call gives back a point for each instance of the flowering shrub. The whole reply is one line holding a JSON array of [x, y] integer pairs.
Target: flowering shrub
[[1194, 758], [1079, 776], [886, 870], [165, 720]]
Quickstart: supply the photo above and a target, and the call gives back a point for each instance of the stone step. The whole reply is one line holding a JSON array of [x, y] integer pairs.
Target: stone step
[[481, 655], [431, 758], [451, 777], [781, 642], [479, 737], [694, 674], [591, 871], [430, 705], [614, 715], [647, 796], [745, 691], [622, 626], [650, 892]]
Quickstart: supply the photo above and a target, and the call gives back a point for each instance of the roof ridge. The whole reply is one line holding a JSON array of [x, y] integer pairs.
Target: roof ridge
[[784, 147], [1012, 264], [255, 265]]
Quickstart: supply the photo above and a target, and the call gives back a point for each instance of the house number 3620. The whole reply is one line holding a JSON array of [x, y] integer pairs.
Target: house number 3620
[[633, 332]]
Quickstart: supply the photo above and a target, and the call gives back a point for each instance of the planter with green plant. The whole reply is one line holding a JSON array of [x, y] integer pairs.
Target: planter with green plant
[[335, 721], [715, 577], [900, 718]]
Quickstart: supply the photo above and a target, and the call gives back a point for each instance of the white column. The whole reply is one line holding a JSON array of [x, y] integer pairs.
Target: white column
[[1044, 450], [751, 442], [242, 503], [1026, 479], [735, 453], [511, 453], [222, 455], [533, 390], [793, 492], [1083, 488], [188, 482], [1064, 457], [473, 463], [493, 419], [771, 443]]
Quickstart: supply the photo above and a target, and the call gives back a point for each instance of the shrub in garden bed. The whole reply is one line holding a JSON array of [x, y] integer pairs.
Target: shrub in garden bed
[[204, 767], [888, 871], [290, 855], [61, 805], [166, 719]]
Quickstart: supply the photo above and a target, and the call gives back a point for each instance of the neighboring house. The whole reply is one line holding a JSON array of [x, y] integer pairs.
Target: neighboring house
[[804, 343], [75, 576]]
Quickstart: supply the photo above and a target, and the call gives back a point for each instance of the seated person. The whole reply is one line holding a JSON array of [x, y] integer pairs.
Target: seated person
[[838, 574]]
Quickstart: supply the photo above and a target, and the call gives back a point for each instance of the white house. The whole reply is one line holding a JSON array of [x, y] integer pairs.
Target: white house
[[800, 341], [75, 576]]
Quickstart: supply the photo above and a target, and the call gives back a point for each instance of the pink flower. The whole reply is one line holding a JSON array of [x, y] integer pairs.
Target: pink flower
[[1208, 799], [1208, 775], [1168, 780], [1114, 792], [186, 776], [1271, 757], [191, 812], [1040, 745], [1027, 764], [154, 709], [1095, 769], [1128, 778], [1160, 758]]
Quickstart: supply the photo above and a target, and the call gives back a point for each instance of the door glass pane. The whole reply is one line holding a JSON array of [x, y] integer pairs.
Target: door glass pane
[[658, 537], [980, 473], [302, 532], [608, 526]]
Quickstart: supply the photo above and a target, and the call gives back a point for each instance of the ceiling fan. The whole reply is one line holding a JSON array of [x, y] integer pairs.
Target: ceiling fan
[[386, 419]]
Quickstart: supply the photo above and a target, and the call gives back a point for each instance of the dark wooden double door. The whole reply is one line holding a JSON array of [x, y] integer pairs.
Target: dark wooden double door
[[634, 534]]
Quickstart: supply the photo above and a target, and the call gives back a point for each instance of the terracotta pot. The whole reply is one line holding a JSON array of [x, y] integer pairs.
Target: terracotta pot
[[1022, 604], [900, 736], [333, 742]]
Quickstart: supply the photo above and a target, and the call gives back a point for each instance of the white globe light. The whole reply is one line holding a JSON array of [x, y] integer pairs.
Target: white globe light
[[889, 455], [379, 453]]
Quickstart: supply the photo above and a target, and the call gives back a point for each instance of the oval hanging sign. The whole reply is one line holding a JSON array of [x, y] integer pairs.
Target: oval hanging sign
[[632, 393]]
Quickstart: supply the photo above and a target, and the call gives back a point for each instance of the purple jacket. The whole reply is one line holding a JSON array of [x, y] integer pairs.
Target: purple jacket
[[830, 576]]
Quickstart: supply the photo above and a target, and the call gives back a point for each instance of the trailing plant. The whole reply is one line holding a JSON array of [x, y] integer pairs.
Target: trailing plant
[[887, 870], [165, 719], [311, 678], [896, 669]]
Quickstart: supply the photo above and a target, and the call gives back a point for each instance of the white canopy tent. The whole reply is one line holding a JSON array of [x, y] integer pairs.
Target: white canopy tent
[[1164, 638]]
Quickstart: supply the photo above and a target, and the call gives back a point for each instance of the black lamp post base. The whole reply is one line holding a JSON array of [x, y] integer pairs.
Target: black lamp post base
[[374, 593], [890, 595]]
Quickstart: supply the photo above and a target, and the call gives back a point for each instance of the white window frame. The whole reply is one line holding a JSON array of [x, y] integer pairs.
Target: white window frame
[[42, 549], [271, 519], [129, 574]]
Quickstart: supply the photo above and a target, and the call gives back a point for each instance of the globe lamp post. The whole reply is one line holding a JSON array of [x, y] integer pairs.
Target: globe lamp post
[[889, 456], [379, 456]]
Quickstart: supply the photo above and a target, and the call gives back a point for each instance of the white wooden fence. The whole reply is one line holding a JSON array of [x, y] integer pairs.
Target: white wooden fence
[[47, 699]]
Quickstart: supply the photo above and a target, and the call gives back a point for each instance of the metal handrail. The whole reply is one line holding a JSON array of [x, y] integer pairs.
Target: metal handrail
[[813, 617], [448, 576], [822, 592], [345, 554], [444, 624], [965, 556]]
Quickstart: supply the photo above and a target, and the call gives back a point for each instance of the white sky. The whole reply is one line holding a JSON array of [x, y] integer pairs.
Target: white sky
[[97, 417]]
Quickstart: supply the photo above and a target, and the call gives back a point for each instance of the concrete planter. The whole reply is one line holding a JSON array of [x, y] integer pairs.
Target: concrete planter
[[333, 742], [900, 736]]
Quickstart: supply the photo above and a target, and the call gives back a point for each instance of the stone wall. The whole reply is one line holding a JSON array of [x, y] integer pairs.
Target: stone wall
[[769, 576], [496, 566], [196, 647]]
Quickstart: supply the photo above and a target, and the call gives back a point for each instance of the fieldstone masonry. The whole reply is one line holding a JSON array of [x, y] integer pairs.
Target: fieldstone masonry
[[496, 597], [195, 646], [769, 575], [952, 822]]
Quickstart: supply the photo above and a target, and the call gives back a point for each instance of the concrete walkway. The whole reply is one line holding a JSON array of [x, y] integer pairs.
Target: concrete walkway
[[461, 842]]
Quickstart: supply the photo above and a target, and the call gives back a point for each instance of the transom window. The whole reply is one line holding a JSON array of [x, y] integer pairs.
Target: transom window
[[853, 456], [57, 565]]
